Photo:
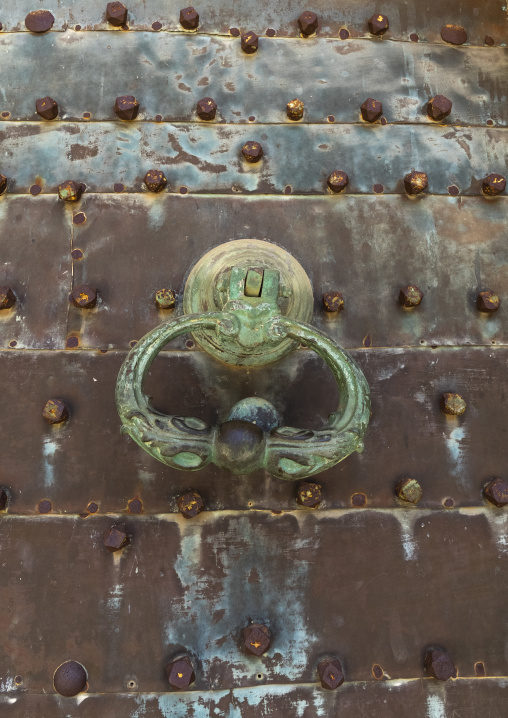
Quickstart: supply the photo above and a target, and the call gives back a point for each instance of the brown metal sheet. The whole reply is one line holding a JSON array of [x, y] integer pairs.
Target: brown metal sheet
[[220, 15], [35, 262], [323, 582], [168, 74], [467, 698], [87, 459], [208, 159], [365, 247]]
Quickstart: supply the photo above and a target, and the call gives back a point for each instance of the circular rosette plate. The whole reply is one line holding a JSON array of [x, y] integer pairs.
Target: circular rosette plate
[[207, 290]]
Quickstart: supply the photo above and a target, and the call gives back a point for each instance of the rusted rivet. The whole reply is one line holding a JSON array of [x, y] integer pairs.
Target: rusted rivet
[[496, 491], [333, 302], [84, 296], [309, 494], [270, 32], [115, 539], [70, 679], [250, 42], [439, 107], [55, 411], [343, 33], [359, 500], [165, 299], [453, 190], [4, 499], [479, 668], [448, 503], [415, 182], [92, 507], [337, 181], [70, 191], [46, 108], [116, 13], [189, 18], [181, 673], [377, 671], [493, 184], [489, 40], [409, 490], [410, 296], [439, 664], [330, 673], [308, 22], [257, 638], [452, 404], [39, 21], [135, 506], [44, 506], [155, 180], [378, 24], [3, 183], [488, 302], [156, 26], [252, 151], [371, 110], [126, 107], [7, 298], [79, 218], [190, 504], [454, 34], [206, 108], [294, 109], [414, 37]]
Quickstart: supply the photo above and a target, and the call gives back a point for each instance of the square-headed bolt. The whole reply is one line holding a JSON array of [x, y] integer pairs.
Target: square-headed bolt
[[333, 302], [181, 673], [330, 673], [409, 490], [189, 18], [249, 42], [496, 491], [308, 22], [488, 302], [439, 107], [115, 539], [126, 107], [378, 24], [309, 494], [454, 34], [439, 664], [410, 296], [155, 180], [3, 183], [190, 504], [116, 13], [493, 185], [46, 108], [416, 182], [337, 181], [206, 108], [452, 404], [84, 296], [257, 638], [165, 299], [294, 109], [55, 411], [371, 110], [70, 191], [39, 21], [252, 151]]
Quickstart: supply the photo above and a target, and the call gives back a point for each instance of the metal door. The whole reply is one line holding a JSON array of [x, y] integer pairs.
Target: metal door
[[123, 197]]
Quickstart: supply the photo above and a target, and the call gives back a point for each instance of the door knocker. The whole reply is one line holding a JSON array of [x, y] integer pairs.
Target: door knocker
[[246, 302]]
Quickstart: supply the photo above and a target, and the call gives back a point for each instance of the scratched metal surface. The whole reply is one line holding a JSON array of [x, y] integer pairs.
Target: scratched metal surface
[[169, 74], [208, 159], [217, 16], [87, 459], [464, 698], [450, 247], [193, 585]]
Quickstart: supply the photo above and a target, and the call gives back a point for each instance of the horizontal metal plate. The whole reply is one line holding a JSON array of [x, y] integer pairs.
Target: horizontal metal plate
[[220, 15], [386, 699], [208, 159], [85, 72], [87, 459], [35, 246], [364, 585]]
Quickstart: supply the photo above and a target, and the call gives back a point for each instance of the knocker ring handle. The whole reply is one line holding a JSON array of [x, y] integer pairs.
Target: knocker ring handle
[[239, 445]]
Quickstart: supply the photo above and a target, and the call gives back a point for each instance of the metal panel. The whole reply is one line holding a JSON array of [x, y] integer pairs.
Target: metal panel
[[467, 698], [220, 15], [451, 248], [208, 159], [193, 585], [169, 74], [87, 459], [35, 252]]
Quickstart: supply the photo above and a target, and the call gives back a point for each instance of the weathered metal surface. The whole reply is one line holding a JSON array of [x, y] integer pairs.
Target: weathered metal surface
[[208, 159], [467, 698], [191, 586], [168, 75], [450, 248], [36, 265], [86, 459], [217, 16]]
